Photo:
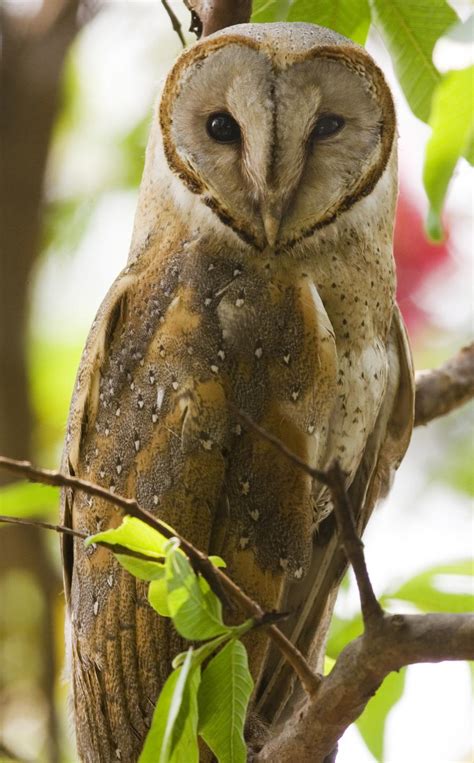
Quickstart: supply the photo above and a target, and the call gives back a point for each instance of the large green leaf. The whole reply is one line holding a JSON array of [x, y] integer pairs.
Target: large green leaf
[[173, 734], [25, 499], [135, 535], [452, 120], [425, 590], [158, 596], [410, 29], [270, 10], [348, 17], [203, 652], [371, 723], [142, 569], [223, 698], [195, 609]]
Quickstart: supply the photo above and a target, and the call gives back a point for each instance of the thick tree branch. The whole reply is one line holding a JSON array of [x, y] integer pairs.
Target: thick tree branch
[[442, 390], [209, 16], [388, 643], [310, 734]]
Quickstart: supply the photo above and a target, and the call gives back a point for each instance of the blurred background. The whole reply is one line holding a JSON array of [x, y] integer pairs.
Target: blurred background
[[78, 81]]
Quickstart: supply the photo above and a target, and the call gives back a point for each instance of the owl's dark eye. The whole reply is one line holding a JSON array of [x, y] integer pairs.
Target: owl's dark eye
[[327, 125], [223, 128]]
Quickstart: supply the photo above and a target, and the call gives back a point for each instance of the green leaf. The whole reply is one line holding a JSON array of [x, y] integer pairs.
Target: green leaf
[[270, 10], [452, 120], [426, 593], [348, 17], [158, 596], [204, 651], [195, 609], [223, 698], [217, 561], [173, 734], [25, 499], [410, 29], [371, 723], [142, 569], [135, 535]]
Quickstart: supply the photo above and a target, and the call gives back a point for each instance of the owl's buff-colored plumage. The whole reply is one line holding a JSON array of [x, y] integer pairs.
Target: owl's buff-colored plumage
[[297, 327]]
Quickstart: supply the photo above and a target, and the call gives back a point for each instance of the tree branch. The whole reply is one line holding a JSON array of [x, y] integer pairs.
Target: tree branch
[[174, 22], [389, 641], [209, 16], [220, 583], [311, 734], [41, 525], [442, 390], [371, 610]]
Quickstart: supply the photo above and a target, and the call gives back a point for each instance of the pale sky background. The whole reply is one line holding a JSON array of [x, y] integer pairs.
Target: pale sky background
[[122, 55]]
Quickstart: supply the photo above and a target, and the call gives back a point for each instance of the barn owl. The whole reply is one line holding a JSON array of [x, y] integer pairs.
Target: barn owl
[[260, 277]]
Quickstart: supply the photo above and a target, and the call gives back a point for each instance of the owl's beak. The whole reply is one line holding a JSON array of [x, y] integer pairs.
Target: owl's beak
[[271, 223]]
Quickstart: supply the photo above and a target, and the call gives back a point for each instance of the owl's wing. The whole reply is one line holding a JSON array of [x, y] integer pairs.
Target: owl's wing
[[312, 600], [84, 405], [148, 420]]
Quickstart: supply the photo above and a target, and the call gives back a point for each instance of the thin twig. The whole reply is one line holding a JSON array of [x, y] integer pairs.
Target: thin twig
[[334, 478], [174, 22], [371, 610], [216, 578], [45, 525], [316, 474], [116, 548]]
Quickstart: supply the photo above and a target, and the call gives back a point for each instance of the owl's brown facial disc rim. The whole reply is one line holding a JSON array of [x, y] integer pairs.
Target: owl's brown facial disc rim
[[355, 58]]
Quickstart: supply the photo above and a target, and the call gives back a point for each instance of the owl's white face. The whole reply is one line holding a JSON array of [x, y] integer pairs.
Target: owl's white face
[[276, 142]]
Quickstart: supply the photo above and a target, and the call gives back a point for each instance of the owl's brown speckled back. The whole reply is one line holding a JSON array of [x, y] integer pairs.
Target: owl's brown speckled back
[[260, 276]]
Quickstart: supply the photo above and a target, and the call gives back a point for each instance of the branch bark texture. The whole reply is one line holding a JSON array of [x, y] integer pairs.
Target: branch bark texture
[[442, 390], [398, 640], [211, 15]]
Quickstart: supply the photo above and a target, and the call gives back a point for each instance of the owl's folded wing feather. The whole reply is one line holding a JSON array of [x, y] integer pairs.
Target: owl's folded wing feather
[[147, 422], [312, 600]]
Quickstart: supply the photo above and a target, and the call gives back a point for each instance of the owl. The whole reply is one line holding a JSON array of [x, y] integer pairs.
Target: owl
[[261, 278]]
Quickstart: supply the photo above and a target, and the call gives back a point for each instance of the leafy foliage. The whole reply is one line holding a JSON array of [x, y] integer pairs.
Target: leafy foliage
[[371, 724], [215, 705], [428, 593], [173, 733], [452, 120], [434, 590], [410, 31], [223, 703], [265, 11], [348, 17]]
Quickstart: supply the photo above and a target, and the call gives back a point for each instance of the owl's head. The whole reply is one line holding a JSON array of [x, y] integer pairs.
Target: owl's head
[[278, 128]]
